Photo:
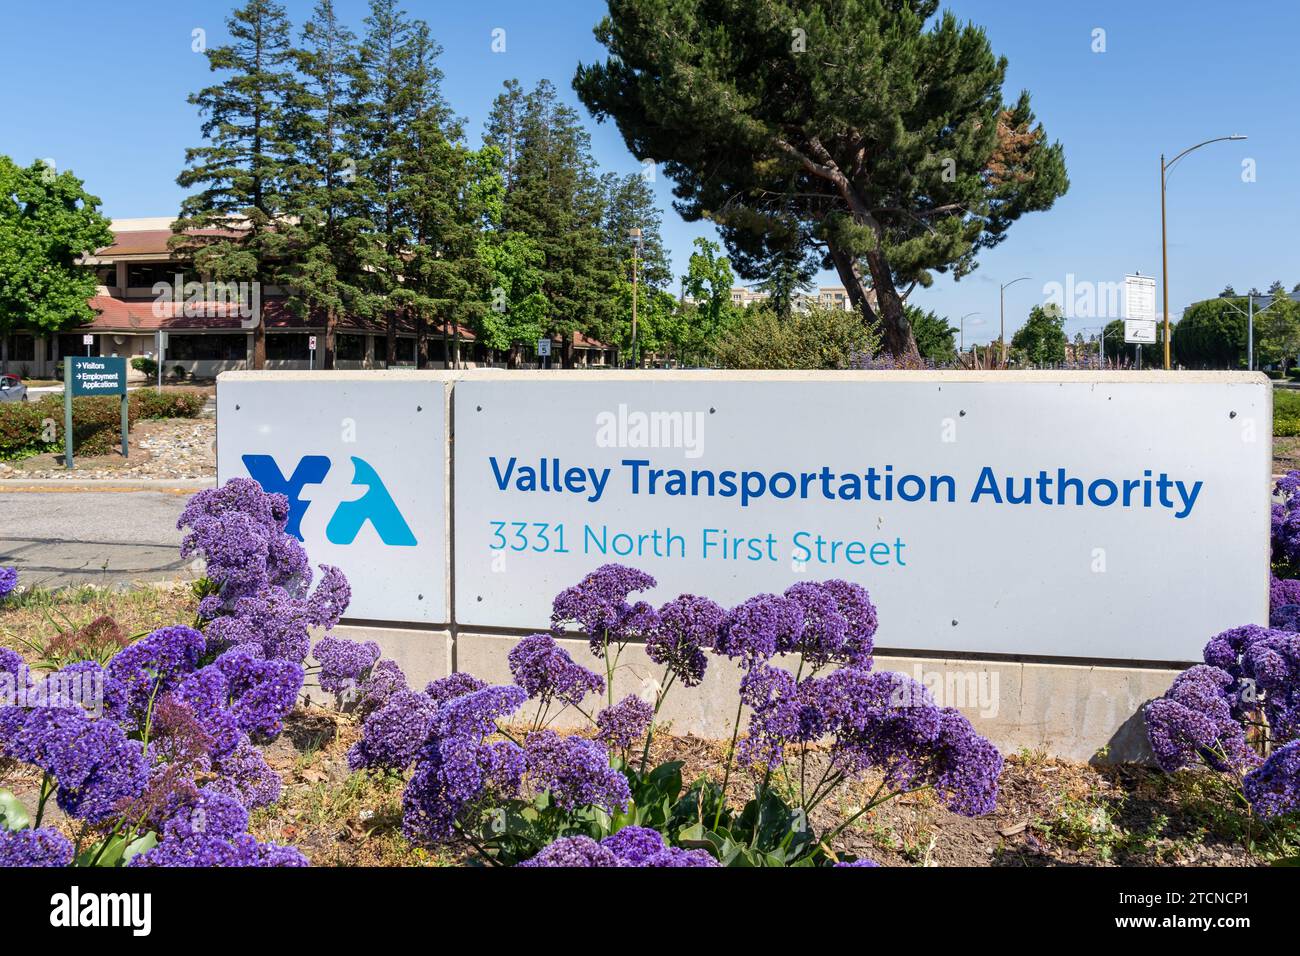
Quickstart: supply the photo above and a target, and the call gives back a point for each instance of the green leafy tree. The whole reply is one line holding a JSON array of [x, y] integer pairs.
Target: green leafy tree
[[936, 340], [708, 281], [629, 205], [1042, 338], [1228, 292], [517, 307], [47, 223], [230, 226], [845, 126], [1277, 332], [1211, 334]]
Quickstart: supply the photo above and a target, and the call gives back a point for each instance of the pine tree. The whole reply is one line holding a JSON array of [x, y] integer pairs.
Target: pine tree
[[390, 87], [555, 199], [873, 132], [326, 225], [242, 171]]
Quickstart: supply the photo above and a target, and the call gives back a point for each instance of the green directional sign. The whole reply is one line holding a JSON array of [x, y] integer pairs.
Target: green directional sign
[[97, 376], [86, 375]]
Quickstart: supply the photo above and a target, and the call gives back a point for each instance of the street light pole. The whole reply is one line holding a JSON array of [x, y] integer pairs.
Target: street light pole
[[961, 349], [1002, 297], [1164, 230], [635, 236]]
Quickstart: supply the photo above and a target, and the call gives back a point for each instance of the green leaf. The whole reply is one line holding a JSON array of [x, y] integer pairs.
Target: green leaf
[[140, 845], [13, 813]]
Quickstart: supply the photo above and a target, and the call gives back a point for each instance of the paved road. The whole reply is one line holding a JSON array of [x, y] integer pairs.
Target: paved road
[[107, 538]]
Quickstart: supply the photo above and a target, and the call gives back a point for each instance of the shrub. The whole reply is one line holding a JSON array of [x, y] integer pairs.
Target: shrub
[[1286, 413], [142, 363], [29, 428], [817, 339], [168, 403]]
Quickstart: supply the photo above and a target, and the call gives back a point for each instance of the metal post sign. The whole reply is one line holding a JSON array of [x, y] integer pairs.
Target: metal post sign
[[83, 375]]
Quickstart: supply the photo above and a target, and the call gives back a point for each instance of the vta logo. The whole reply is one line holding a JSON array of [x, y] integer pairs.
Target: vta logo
[[375, 506]]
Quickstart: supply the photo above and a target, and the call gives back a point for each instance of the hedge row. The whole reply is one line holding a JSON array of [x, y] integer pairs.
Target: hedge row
[[29, 428]]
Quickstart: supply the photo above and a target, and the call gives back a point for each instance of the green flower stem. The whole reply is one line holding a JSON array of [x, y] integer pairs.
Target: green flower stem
[[726, 775]]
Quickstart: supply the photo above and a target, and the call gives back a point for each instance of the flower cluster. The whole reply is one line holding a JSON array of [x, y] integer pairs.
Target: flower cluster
[[1286, 520], [600, 608], [631, 846], [575, 771], [546, 672], [41, 847], [686, 627], [881, 721], [168, 740], [261, 575], [8, 582], [625, 723], [344, 665]]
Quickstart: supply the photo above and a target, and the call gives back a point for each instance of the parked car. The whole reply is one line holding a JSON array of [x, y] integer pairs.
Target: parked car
[[12, 389]]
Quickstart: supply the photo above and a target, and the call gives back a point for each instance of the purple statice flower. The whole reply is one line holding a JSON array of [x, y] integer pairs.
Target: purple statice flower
[[966, 767], [825, 630], [43, 847], [685, 628], [546, 672], [152, 666], [391, 737], [782, 712], [244, 774], [454, 685], [343, 663], [8, 582], [15, 669], [860, 616], [206, 851], [862, 862], [633, 845], [206, 693], [1265, 666], [884, 720], [1282, 593], [574, 851], [454, 778], [97, 768], [1286, 520], [575, 771], [206, 813], [759, 628], [1273, 788], [599, 606], [1195, 719], [625, 723], [457, 769], [385, 680], [629, 847], [330, 598], [476, 714], [238, 529], [262, 691]]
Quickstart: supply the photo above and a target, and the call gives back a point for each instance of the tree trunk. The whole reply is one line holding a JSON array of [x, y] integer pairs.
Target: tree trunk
[[331, 334], [259, 344], [896, 332], [422, 345], [566, 350]]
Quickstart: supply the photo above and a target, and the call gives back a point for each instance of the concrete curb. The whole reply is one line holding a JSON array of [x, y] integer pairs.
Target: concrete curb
[[107, 484]]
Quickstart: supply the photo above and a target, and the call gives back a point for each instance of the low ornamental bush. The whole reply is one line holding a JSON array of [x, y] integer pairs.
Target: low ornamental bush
[[142, 363], [1239, 712], [29, 428], [153, 755]]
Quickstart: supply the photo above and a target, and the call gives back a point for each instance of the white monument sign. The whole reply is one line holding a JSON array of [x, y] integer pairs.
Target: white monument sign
[[362, 457], [1100, 516]]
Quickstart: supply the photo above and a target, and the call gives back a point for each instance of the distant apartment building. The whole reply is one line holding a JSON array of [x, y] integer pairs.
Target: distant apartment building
[[151, 301]]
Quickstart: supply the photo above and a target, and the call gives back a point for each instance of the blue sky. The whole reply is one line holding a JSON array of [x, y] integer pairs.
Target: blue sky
[[101, 89]]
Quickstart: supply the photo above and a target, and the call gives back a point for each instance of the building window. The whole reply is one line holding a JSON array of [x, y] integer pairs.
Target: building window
[[406, 351], [72, 344], [350, 348], [22, 348], [145, 275], [213, 347], [106, 275], [287, 346]]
